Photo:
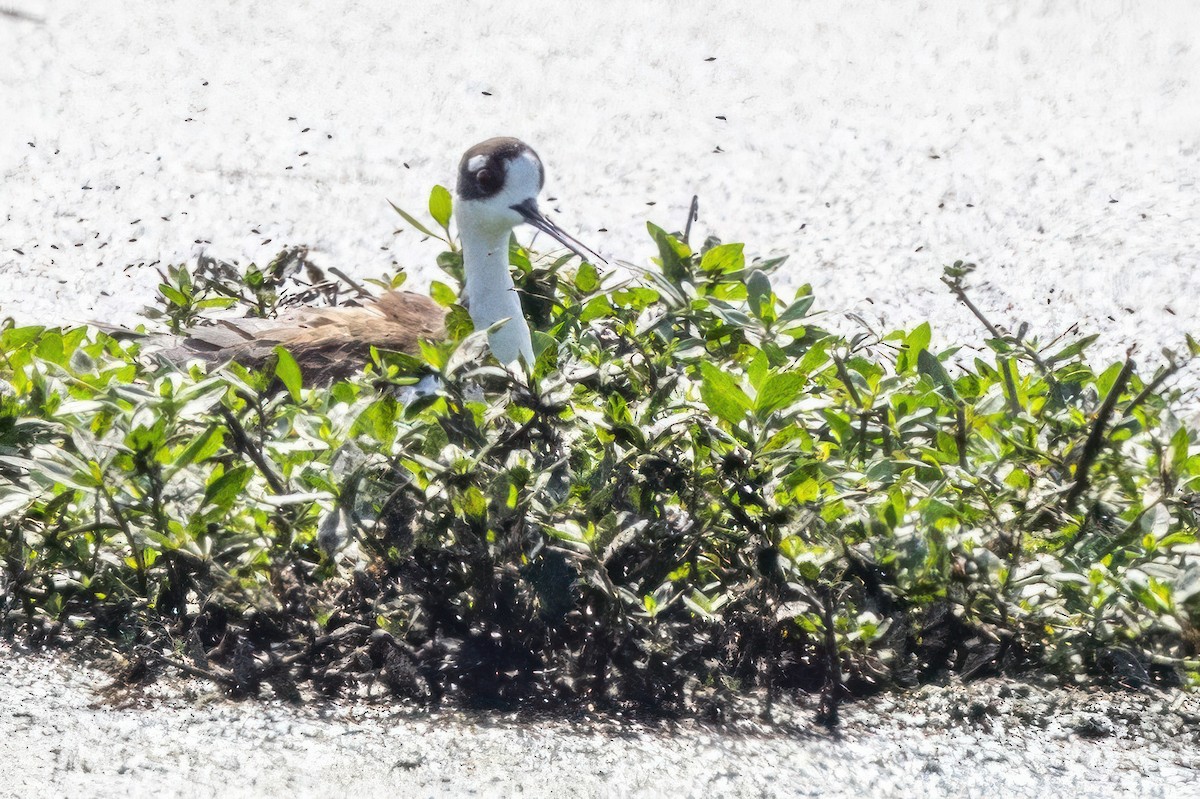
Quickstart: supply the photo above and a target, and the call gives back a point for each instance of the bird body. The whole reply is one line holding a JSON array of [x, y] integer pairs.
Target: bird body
[[329, 343], [498, 183]]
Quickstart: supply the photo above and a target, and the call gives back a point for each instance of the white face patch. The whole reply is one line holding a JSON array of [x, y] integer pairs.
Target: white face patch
[[477, 163]]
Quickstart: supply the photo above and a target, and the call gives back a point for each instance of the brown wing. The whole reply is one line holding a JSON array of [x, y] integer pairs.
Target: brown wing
[[328, 343]]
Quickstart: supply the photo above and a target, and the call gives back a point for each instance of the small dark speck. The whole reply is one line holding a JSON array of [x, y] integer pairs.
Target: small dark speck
[[291, 119], [56, 152], [306, 130], [256, 231], [551, 199], [1169, 310], [116, 188], [165, 218], [80, 244], [1127, 310], [31, 144], [131, 241], [711, 58], [935, 157], [1143, 216], [189, 119], [406, 166], [191, 196], [970, 205], [18, 252], [803, 225], [602, 230], [265, 242], [919, 248], [487, 94], [54, 246], [87, 188], [304, 152], [650, 203], [329, 135], [718, 149], [286, 168], [204, 83], [941, 205], [134, 222], [1112, 200], [721, 118]]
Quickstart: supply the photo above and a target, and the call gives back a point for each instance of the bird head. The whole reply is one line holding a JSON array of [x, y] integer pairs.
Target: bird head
[[498, 184]]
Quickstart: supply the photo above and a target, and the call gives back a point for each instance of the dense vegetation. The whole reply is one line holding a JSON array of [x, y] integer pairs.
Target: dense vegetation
[[697, 492]]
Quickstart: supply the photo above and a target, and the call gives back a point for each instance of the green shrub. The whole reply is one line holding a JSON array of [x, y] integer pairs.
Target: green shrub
[[698, 490]]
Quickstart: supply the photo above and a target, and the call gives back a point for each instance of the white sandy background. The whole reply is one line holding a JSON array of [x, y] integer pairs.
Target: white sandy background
[[1056, 143]]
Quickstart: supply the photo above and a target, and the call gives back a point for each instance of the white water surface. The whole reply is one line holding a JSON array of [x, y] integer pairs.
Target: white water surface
[[1055, 143]]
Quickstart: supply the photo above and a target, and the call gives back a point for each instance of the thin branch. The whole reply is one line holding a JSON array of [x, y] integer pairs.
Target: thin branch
[[1153, 386], [693, 215], [845, 376], [242, 443], [1095, 439], [351, 282]]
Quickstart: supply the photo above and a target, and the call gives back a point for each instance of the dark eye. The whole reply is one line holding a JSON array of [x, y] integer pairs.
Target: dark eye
[[488, 180]]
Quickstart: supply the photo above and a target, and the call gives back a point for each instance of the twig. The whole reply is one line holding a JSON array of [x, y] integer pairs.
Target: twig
[[213, 674], [1095, 439], [960, 292], [831, 692], [241, 442], [960, 434], [351, 282], [845, 376], [1153, 386], [693, 215]]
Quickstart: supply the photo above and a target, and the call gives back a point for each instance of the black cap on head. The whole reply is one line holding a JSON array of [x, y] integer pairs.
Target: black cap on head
[[483, 168]]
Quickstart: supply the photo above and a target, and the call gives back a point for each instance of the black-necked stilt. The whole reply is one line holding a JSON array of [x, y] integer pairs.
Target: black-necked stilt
[[498, 184]]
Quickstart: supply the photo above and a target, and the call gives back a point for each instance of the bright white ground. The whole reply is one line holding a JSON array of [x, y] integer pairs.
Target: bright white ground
[[1056, 143]]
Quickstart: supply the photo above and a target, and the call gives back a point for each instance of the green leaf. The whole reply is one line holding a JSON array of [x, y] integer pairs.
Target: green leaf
[[758, 292], [440, 205], [587, 279], [722, 394], [288, 372], [412, 220], [227, 488], [928, 364], [723, 259], [920, 337], [1073, 349], [442, 294], [202, 446], [796, 311], [672, 253], [778, 391]]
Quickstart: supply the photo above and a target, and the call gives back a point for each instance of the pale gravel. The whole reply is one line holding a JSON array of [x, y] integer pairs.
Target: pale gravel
[[61, 735]]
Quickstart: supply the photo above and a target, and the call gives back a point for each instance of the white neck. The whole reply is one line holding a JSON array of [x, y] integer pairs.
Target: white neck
[[491, 295]]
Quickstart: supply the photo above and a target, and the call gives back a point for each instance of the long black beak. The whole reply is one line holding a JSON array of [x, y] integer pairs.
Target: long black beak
[[529, 210]]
